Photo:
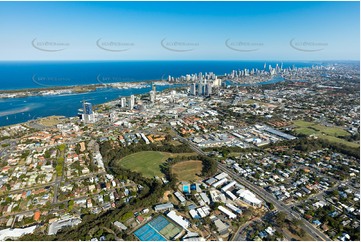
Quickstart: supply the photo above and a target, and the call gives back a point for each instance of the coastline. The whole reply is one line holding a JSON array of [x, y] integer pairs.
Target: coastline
[[73, 89], [66, 105]]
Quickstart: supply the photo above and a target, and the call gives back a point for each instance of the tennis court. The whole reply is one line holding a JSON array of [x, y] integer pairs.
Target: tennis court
[[159, 229], [159, 223], [147, 233]]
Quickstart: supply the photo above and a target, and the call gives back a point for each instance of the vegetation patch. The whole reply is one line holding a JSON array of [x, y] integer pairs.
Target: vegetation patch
[[50, 121], [340, 141]]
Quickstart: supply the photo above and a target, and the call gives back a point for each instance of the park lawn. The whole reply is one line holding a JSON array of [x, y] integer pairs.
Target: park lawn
[[338, 140], [148, 162], [333, 131], [50, 121], [305, 131], [307, 126], [145, 162], [187, 170], [328, 133]]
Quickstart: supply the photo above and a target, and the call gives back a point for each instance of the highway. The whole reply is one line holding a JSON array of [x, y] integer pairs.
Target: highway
[[306, 226]]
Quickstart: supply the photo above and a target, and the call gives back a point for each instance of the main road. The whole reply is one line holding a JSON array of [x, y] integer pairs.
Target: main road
[[306, 226]]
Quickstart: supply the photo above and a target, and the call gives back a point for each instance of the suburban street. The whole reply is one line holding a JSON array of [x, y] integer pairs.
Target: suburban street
[[308, 227]]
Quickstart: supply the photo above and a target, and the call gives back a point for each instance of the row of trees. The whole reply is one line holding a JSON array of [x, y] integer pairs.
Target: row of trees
[[303, 143]]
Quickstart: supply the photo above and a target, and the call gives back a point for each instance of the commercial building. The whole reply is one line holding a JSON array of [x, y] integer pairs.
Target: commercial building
[[180, 197], [231, 195], [220, 182], [220, 176], [227, 212], [222, 228], [249, 197], [205, 198], [120, 226], [178, 219], [163, 206], [234, 208], [15, 233], [228, 186], [55, 226]]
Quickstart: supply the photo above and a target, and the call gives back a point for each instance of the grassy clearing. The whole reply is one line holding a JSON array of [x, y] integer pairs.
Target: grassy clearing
[[308, 126], [188, 170], [50, 121], [331, 134], [338, 140], [148, 162], [305, 131]]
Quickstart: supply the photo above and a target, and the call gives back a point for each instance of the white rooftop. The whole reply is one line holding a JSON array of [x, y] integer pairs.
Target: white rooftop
[[15, 233]]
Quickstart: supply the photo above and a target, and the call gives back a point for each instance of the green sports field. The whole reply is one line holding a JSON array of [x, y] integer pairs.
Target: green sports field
[[145, 162], [148, 162]]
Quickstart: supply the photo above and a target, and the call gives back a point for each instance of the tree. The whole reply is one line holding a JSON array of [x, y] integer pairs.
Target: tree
[[70, 205], [62, 147], [302, 233], [296, 222], [271, 206], [280, 218], [278, 234]]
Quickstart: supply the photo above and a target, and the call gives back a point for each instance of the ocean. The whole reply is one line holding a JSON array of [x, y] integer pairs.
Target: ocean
[[24, 75], [20, 75]]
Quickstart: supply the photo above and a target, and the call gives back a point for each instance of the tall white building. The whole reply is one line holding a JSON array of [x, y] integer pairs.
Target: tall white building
[[123, 102], [152, 96], [131, 102]]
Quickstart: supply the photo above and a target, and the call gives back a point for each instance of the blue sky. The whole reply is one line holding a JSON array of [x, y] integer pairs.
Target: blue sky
[[179, 30]]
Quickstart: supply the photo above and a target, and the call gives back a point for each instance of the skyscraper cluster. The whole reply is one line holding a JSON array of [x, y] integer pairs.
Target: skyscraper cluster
[[257, 72], [204, 84], [202, 88], [130, 103]]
